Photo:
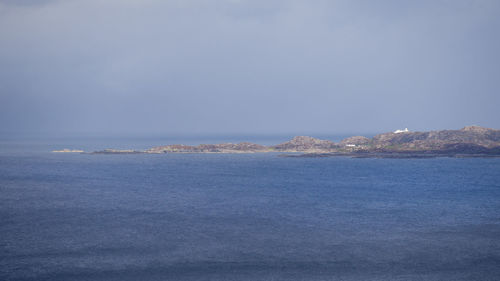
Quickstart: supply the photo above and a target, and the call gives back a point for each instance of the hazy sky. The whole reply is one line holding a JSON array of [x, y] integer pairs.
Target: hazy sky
[[237, 66]]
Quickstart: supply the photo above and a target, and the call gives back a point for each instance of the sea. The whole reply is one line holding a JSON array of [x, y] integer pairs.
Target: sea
[[66, 216]]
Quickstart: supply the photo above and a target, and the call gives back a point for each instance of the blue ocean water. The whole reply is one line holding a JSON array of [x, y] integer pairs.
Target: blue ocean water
[[244, 217]]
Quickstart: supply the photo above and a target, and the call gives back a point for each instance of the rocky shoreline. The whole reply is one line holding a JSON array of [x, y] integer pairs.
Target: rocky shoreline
[[471, 141], [394, 155]]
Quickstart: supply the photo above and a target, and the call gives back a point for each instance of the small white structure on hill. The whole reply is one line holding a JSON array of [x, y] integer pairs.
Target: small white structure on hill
[[401, 131], [350, 145]]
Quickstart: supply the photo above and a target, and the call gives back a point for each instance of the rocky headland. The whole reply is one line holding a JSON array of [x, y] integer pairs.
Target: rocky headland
[[471, 141]]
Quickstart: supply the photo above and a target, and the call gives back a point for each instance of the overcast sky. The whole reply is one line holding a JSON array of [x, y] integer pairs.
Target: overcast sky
[[244, 67]]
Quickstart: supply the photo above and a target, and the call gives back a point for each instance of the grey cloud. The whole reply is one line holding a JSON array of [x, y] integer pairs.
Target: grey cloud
[[249, 66], [26, 2]]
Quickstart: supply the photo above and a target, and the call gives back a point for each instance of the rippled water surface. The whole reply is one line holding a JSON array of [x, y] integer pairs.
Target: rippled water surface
[[246, 217]]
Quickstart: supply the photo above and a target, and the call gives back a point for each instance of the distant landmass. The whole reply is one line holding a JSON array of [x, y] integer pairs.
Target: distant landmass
[[66, 150], [471, 141]]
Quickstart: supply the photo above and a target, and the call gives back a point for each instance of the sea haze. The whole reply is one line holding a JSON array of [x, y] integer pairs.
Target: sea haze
[[243, 216]]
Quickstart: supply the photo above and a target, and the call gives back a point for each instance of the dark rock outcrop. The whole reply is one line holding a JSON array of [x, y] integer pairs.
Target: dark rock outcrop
[[117, 151]]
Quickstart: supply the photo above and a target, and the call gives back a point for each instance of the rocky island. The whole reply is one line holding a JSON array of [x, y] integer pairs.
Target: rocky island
[[471, 141]]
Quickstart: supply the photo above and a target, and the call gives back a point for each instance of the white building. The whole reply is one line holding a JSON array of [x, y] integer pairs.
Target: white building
[[401, 131]]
